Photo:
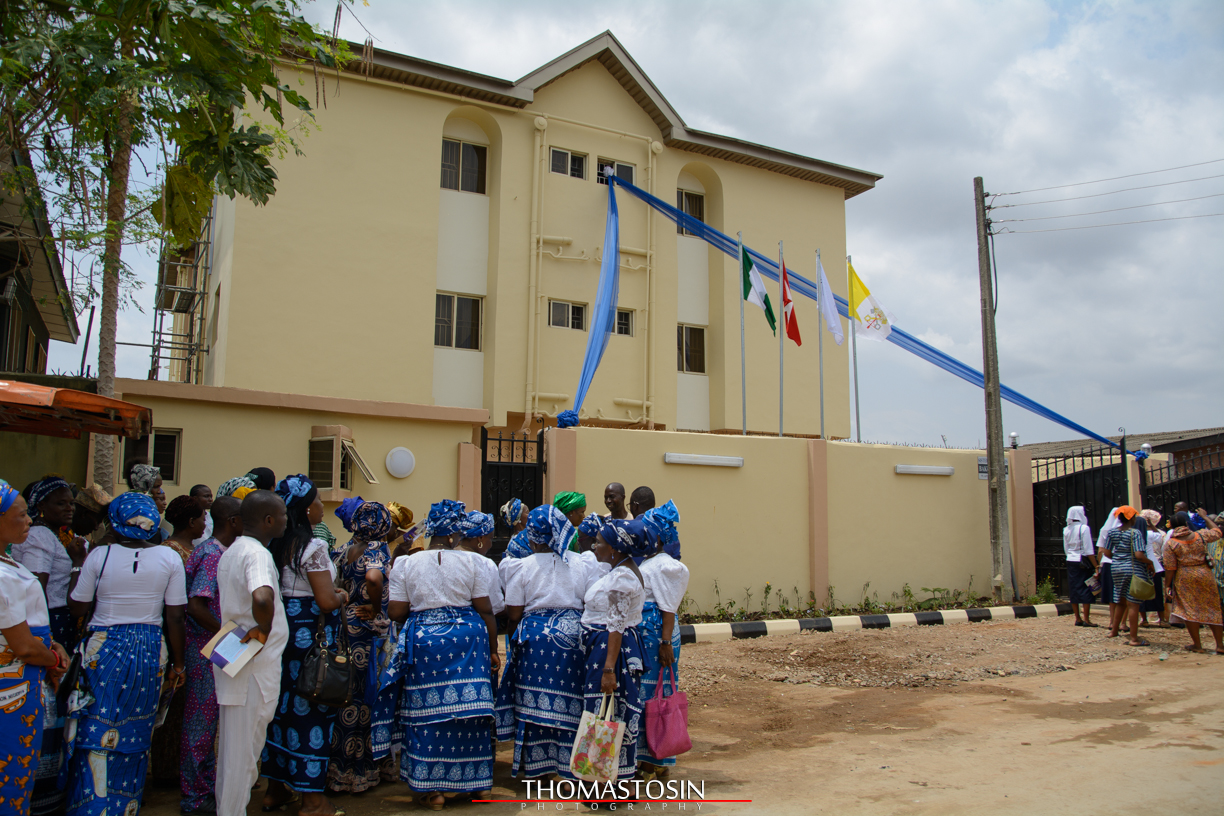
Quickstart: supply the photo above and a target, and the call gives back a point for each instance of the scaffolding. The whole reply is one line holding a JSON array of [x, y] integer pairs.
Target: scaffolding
[[179, 310]]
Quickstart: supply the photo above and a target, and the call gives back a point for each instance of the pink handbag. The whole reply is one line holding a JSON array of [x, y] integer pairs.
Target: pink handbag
[[667, 721]]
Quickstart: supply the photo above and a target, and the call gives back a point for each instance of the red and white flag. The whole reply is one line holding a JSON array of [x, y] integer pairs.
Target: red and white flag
[[788, 309]]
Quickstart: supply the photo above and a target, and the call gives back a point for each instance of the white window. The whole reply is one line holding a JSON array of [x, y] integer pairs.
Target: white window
[[463, 166], [567, 315], [690, 349], [569, 164], [623, 171], [690, 204], [624, 322], [161, 448], [457, 321], [332, 457]]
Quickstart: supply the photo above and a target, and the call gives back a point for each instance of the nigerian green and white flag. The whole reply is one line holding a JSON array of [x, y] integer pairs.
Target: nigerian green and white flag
[[754, 288]]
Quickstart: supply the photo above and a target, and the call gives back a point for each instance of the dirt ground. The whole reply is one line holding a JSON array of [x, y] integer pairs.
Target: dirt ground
[[1033, 716]]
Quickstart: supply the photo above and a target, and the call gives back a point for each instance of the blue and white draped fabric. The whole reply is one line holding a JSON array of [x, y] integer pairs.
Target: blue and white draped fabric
[[133, 515], [293, 489], [476, 524], [518, 547], [445, 518], [387, 734], [110, 718], [798, 283], [627, 700], [446, 702], [21, 691], [548, 525], [591, 525], [511, 511], [300, 734], [664, 520], [629, 536], [539, 699], [651, 631]]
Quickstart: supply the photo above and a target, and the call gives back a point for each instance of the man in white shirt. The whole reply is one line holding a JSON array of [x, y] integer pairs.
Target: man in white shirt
[[250, 597]]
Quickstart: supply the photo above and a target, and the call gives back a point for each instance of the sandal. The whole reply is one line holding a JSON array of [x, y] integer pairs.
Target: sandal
[[433, 801]]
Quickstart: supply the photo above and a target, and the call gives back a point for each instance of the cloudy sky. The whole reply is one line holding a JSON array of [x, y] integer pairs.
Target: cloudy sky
[[1117, 326]]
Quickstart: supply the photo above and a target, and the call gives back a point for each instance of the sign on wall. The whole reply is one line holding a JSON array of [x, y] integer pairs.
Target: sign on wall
[[984, 469]]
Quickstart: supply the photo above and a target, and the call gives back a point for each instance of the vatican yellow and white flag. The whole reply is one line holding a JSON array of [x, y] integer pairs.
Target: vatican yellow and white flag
[[874, 321]]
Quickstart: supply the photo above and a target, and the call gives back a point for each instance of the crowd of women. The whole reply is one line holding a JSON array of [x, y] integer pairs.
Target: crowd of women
[[1139, 568], [107, 606]]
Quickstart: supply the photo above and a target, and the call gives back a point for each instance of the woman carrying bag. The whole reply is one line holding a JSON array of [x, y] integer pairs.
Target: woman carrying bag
[[298, 747]]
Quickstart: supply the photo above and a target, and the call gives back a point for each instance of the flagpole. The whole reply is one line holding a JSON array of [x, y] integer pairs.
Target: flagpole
[[781, 334], [820, 347], [858, 418], [743, 364]]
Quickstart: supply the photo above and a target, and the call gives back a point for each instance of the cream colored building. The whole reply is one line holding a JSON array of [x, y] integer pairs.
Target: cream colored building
[[429, 267]]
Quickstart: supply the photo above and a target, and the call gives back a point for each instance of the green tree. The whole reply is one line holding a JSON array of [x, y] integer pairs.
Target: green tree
[[85, 83]]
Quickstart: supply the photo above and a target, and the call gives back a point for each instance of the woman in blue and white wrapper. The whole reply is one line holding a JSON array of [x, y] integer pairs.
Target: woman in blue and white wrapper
[[446, 658], [666, 581], [612, 611], [475, 537], [539, 701], [298, 747]]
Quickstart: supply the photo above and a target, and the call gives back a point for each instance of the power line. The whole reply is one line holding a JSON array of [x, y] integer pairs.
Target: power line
[[1006, 231], [1111, 192], [1115, 178], [1116, 209]]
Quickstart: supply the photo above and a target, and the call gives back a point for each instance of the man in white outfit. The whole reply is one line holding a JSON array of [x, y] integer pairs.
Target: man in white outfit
[[250, 597]]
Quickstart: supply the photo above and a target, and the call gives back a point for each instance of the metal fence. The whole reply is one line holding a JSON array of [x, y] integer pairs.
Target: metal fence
[[512, 468]]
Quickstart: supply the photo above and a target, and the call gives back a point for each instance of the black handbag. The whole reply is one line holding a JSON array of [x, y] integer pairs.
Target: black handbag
[[326, 676]]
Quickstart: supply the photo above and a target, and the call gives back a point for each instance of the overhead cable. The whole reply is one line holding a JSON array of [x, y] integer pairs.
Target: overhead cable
[[1099, 212], [1006, 231], [1098, 195], [1115, 178]]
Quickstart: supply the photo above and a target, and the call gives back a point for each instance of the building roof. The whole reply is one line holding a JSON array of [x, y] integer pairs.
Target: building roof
[[1161, 442], [608, 51], [47, 287]]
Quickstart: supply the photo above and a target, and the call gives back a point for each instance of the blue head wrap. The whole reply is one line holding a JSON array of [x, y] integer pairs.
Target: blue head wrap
[[228, 488], [1196, 522], [591, 525], [663, 521], [134, 515], [477, 524], [44, 488], [296, 490], [371, 522], [445, 518], [518, 546], [548, 525], [629, 536], [511, 511], [346, 510], [8, 495]]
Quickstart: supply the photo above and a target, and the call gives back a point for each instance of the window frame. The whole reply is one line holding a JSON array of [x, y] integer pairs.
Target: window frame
[[461, 163], [682, 349], [603, 161], [145, 447], [682, 204], [629, 314], [339, 484], [569, 314], [570, 155], [454, 320]]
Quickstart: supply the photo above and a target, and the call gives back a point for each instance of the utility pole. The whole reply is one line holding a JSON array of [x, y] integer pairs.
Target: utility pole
[[1000, 538]]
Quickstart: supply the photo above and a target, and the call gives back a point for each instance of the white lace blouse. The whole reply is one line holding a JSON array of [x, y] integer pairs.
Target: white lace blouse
[[615, 601], [316, 558], [490, 580], [666, 581], [431, 579]]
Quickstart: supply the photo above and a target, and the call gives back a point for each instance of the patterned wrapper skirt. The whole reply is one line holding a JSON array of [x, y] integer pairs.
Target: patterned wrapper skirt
[[352, 767], [198, 746], [386, 733], [21, 698], [539, 701], [300, 734], [1195, 596], [651, 629], [1123, 570], [110, 719], [627, 700], [49, 795], [446, 703]]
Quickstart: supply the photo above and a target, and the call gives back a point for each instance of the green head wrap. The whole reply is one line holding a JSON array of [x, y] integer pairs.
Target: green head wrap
[[569, 501]]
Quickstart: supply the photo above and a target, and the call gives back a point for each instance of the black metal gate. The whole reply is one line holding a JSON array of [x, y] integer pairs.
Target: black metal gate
[[1197, 480], [513, 468], [1092, 477]]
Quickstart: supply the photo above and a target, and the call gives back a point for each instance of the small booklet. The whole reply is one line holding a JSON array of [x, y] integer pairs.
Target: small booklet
[[227, 651]]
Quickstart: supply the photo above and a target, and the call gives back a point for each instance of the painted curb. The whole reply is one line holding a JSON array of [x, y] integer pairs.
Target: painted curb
[[718, 632]]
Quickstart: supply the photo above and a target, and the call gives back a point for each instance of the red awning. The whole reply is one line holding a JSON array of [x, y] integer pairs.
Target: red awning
[[37, 409]]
